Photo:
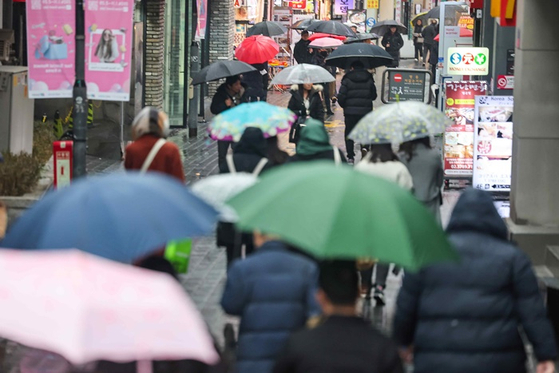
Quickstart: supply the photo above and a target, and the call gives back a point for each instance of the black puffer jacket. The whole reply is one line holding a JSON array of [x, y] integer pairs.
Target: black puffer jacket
[[357, 92], [250, 149], [464, 317], [297, 105]]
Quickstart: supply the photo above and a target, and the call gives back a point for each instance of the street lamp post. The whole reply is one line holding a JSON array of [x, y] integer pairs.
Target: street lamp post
[[80, 96]]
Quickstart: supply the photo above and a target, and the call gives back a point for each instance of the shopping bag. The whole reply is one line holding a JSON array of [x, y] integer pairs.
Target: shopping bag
[[178, 254]]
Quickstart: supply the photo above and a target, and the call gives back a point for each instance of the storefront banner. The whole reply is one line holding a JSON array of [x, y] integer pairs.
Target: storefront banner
[[493, 143], [202, 8], [51, 48], [342, 6], [108, 49], [459, 138]]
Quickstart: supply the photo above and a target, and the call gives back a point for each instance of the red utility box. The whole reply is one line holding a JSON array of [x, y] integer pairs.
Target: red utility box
[[63, 153]]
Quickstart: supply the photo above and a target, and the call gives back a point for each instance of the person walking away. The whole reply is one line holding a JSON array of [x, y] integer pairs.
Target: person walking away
[[249, 155], [256, 83], [425, 166], [273, 293], [228, 95], [393, 42], [301, 51], [343, 342], [418, 41], [305, 102], [319, 59], [150, 151], [314, 144], [466, 316], [434, 56], [429, 34], [381, 161], [276, 156], [356, 96]]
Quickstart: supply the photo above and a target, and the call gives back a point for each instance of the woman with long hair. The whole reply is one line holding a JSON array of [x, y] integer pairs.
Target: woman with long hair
[[426, 168], [418, 40], [305, 102], [381, 161], [107, 48]]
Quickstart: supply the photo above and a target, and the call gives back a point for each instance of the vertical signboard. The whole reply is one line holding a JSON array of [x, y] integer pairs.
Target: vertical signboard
[[51, 47], [493, 143], [108, 49], [459, 138], [406, 85], [342, 6], [202, 18]]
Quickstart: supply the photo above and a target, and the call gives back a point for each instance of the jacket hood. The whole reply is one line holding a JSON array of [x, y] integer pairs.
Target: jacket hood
[[475, 212], [315, 88], [360, 75], [314, 138], [252, 142]]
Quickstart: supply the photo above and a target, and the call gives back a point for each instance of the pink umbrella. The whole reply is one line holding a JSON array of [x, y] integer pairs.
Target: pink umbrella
[[87, 308], [326, 43]]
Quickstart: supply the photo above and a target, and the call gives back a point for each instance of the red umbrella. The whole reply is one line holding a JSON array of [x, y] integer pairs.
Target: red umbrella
[[318, 35], [256, 49], [464, 33]]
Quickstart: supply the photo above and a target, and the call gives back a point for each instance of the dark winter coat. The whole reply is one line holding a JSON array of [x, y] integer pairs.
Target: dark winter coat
[[434, 53], [273, 290], [301, 51], [221, 94], [250, 149], [297, 105], [357, 92], [319, 59], [417, 30], [396, 43], [429, 34], [339, 345], [257, 83], [464, 317]]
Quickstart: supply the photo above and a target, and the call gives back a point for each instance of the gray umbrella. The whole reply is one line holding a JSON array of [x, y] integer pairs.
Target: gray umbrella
[[267, 28], [303, 73], [383, 27], [436, 11], [332, 28], [361, 37], [221, 69], [371, 56], [304, 24]]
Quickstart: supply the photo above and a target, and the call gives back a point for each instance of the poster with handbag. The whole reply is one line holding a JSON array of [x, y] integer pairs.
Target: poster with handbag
[[108, 49], [50, 48]]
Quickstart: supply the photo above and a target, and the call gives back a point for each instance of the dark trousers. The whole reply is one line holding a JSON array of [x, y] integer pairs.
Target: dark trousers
[[380, 277], [418, 50], [222, 149], [326, 93], [426, 49], [350, 123]]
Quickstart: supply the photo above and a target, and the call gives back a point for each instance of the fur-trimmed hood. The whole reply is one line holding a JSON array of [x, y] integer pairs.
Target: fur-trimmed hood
[[315, 88]]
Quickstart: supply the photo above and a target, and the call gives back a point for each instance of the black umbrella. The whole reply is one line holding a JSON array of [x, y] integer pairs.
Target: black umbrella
[[383, 27], [371, 56], [304, 23], [332, 28], [221, 69], [267, 28], [361, 37], [436, 11]]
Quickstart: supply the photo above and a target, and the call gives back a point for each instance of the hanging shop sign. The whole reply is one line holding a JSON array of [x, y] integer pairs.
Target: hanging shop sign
[[342, 6], [505, 82], [300, 4], [467, 61], [493, 143], [372, 4], [202, 8]]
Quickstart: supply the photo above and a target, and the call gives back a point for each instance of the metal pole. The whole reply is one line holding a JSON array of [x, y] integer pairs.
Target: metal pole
[[193, 107], [122, 126], [80, 96]]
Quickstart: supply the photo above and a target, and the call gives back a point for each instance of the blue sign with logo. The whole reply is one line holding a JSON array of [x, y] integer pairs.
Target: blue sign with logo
[[371, 22], [455, 58]]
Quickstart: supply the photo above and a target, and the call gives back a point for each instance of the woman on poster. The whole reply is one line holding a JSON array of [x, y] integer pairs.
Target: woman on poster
[[107, 49]]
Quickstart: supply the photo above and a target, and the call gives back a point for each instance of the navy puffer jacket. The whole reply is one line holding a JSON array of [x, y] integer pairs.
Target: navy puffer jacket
[[357, 92], [465, 317], [273, 290]]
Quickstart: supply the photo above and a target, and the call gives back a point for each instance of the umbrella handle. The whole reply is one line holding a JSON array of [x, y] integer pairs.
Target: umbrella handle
[[144, 366]]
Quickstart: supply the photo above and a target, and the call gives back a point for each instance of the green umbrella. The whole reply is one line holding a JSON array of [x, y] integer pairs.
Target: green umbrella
[[336, 212]]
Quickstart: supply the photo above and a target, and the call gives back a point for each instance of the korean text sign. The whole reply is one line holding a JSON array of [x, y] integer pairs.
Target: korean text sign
[[459, 138], [493, 143], [51, 48]]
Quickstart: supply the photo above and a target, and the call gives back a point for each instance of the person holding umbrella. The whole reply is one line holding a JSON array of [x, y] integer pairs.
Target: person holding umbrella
[[306, 101], [393, 42], [301, 51], [228, 95], [428, 33]]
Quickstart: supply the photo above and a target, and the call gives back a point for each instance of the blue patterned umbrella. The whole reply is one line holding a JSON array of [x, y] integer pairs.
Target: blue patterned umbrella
[[231, 124], [399, 122]]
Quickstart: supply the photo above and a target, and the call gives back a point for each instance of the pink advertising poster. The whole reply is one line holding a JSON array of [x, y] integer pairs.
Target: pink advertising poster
[[51, 48], [108, 49]]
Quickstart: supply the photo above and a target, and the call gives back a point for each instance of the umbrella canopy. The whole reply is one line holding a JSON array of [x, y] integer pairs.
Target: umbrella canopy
[[304, 23], [422, 16], [326, 43], [383, 27], [231, 124], [221, 69], [400, 122], [331, 27], [341, 213], [464, 33], [217, 189], [256, 49], [303, 73], [319, 35], [361, 37], [436, 11], [88, 308], [267, 28], [120, 216], [372, 56]]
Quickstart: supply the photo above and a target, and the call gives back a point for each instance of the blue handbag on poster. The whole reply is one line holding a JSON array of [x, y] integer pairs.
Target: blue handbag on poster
[[50, 50]]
